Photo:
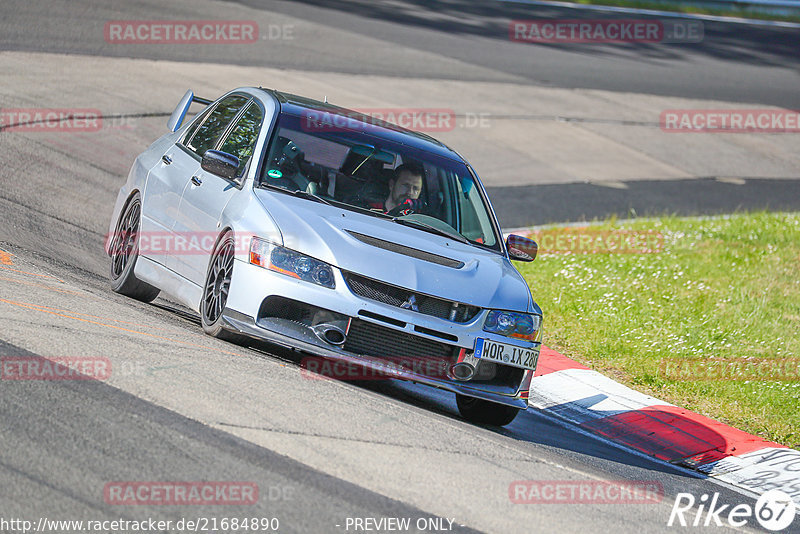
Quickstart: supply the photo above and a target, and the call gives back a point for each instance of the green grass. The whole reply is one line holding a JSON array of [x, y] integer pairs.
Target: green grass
[[725, 288], [686, 8]]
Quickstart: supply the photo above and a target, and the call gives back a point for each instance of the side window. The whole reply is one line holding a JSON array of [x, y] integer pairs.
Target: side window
[[475, 222], [242, 139], [209, 132], [197, 121]]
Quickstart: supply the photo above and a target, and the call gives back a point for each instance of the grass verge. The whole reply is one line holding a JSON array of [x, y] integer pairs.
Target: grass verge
[[722, 294]]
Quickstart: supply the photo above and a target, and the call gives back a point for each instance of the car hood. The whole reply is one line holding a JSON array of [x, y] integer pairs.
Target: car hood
[[326, 232]]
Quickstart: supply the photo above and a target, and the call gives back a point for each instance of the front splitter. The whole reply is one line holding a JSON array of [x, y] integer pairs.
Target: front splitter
[[299, 337]]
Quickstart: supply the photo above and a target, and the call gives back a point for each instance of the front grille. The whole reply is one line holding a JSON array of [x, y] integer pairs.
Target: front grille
[[378, 341], [404, 298]]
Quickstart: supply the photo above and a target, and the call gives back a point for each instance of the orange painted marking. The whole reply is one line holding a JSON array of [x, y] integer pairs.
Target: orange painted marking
[[32, 274], [5, 261], [39, 308], [34, 284], [100, 317], [5, 258]]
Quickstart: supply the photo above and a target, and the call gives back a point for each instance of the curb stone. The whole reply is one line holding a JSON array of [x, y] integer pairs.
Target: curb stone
[[595, 403]]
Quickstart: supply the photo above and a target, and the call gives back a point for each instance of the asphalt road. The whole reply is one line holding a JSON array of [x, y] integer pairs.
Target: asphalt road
[[179, 406], [468, 42], [447, 39]]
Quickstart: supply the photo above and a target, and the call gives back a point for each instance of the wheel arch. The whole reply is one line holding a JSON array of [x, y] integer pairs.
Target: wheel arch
[[115, 219], [227, 228]]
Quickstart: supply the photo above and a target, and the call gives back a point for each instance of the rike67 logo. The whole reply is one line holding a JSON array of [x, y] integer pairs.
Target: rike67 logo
[[774, 511]]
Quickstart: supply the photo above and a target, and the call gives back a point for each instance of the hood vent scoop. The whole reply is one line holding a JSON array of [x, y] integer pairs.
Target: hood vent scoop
[[407, 251]]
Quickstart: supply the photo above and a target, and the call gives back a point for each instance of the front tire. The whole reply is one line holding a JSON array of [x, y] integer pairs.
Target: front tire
[[215, 290], [124, 251], [484, 412]]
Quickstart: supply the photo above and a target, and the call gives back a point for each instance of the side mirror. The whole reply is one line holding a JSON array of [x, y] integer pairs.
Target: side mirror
[[220, 163], [521, 248], [176, 119]]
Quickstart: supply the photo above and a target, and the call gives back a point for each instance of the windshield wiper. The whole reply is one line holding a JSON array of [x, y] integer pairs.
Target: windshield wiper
[[432, 229], [310, 196], [366, 211], [299, 193]]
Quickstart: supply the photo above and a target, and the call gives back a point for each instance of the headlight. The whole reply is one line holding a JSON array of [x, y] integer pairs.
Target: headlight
[[291, 263], [512, 324]]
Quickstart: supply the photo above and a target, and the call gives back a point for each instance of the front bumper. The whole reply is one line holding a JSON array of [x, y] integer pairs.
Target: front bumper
[[252, 285]]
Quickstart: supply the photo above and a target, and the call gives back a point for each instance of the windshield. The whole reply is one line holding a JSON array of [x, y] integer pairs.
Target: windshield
[[358, 169]]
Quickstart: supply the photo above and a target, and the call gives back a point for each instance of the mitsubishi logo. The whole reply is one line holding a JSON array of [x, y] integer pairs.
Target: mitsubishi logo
[[410, 304]]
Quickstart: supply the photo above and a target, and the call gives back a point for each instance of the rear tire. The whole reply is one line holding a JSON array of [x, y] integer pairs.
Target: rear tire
[[215, 290], [124, 251], [484, 412]]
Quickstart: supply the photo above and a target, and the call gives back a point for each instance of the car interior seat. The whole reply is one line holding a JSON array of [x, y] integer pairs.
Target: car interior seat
[[297, 173], [373, 192], [355, 174]]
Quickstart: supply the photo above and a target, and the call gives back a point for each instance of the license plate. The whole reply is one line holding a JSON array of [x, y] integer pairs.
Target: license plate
[[506, 354]]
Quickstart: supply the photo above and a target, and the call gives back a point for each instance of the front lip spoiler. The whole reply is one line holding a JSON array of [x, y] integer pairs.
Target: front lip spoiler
[[296, 336]]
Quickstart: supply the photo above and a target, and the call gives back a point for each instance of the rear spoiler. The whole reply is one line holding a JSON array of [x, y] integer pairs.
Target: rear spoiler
[[176, 119]]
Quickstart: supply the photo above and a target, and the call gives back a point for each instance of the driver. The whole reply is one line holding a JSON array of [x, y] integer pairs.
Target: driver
[[404, 191]]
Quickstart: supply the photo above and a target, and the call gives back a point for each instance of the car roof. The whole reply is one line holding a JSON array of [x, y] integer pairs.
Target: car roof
[[297, 105]]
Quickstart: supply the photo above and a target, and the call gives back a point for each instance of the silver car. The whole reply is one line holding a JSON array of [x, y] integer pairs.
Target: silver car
[[352, 240]]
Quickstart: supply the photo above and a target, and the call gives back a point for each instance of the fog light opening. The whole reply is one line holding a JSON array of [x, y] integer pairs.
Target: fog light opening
[[462, 371], [330, 333], [334, 336]]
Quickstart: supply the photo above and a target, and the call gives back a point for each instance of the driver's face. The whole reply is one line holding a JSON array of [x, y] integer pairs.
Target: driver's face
[[406, 186]]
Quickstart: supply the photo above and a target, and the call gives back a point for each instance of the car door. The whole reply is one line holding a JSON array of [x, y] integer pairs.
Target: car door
[[207, 194], [165, 185]]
